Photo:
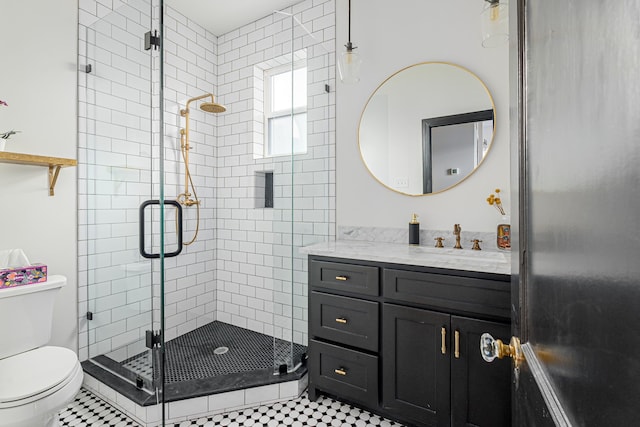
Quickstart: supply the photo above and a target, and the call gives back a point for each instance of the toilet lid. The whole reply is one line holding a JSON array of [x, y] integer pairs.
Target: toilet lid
[[35, 371]]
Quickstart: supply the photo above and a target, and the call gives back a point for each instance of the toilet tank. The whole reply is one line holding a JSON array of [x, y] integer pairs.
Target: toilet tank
[[26, 313]]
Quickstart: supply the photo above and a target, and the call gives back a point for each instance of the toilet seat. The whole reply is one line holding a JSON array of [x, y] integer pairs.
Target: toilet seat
[[35, 374]]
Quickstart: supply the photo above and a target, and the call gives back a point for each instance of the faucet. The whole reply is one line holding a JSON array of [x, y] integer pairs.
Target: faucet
[[456, 232]]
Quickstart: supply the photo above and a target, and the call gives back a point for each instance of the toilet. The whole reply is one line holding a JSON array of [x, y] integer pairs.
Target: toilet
[[36, 380]]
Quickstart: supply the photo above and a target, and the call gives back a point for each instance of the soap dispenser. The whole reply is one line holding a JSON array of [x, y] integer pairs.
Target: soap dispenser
[[414, 230]]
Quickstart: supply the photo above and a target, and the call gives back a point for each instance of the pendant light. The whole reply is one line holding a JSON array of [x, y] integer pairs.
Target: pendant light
[[349, 63], [495, 23]]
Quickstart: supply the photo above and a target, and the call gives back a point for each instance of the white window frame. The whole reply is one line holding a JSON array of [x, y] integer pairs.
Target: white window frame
[[269, 114]]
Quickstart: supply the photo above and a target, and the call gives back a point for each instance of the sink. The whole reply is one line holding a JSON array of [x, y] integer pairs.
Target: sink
[[460, 253]]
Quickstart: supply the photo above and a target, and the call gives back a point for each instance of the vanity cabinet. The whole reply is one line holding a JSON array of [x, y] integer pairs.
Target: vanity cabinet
[[415, 368], [344, 331], [432, 370], [403, 341]]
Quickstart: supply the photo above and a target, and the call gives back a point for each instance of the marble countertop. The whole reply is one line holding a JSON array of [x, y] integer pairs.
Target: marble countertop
[[453, 259]]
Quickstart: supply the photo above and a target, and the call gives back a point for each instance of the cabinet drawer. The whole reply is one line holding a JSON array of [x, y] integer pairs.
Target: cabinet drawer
[[468, 294], [344, 320], [347, 373], [359, 279]]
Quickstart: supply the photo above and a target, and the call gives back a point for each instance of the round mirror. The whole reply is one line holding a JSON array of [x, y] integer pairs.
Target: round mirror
[[426, 128]]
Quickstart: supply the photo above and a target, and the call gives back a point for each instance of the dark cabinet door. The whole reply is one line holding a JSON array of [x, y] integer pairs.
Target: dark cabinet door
[[480, 391], [415, 364]]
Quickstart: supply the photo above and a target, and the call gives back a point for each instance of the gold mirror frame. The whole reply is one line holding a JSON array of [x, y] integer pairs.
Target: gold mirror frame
[[493, 107]]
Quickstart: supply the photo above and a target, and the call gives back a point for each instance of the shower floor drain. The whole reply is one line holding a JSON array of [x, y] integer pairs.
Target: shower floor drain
[[221, 350]]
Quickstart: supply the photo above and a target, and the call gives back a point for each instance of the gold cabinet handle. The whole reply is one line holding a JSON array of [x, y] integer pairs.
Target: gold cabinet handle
[[456, 350], [341, 320], [342, 278], [340, 371], [443, 333]]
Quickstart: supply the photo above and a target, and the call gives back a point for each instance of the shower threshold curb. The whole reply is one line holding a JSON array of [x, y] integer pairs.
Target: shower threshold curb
[[200, 403], [193, 388]]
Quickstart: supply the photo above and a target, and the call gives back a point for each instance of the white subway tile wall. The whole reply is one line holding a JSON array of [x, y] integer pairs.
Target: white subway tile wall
[[261, 277], [244, 268]]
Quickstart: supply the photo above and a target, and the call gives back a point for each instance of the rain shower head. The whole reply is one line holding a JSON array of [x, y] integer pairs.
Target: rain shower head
[[209, 107], [212, 107]]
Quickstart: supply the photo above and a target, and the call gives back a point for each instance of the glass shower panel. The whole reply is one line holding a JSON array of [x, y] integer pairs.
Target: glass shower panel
[[308, 193], [116, 148]]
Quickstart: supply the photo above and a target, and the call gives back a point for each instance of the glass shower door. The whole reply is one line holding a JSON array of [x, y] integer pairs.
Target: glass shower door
[[119, 151]]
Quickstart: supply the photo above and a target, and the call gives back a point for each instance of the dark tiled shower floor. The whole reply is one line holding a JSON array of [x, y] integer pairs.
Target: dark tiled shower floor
[[194, 369]]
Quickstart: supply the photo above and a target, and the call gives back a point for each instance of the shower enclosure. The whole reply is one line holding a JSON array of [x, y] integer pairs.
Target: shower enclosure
[[227, 310]]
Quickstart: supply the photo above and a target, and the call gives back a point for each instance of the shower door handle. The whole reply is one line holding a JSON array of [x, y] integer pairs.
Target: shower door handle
[[143, 206]]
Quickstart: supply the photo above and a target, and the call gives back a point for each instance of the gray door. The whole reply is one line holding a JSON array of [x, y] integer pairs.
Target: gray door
[[578, 307]]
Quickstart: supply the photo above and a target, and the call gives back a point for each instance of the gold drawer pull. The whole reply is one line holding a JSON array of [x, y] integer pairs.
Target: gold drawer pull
[[340, 371], [443, 347], [456, 351], [341, 320], [342, 278]]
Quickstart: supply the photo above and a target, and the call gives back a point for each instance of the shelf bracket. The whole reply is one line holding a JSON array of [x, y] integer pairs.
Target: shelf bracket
[[53, 163], [54, 170]]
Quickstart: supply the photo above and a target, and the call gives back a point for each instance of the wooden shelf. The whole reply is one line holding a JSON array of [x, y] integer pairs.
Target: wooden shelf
[[53, 163]]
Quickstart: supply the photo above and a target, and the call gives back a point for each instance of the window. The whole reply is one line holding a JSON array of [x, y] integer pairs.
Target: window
[[285, 110]]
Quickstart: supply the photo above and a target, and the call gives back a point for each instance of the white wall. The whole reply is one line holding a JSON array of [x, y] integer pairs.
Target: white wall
[[38, 80], [389, 38]]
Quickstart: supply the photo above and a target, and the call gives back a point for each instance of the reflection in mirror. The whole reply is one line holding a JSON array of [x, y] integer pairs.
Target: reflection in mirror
[[455, 145], [426, 128]]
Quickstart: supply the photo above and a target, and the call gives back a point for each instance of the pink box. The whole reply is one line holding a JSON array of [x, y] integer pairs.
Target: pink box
[[18, 276]]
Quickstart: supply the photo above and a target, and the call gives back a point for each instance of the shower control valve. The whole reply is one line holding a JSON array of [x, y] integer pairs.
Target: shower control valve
[[186, 200]]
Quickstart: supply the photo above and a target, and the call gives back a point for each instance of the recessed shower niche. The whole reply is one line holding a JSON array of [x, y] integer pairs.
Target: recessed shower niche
[[263, 190], [151, 328]]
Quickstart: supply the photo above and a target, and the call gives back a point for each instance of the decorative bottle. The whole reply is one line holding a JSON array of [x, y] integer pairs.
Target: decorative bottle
[[414, 230], [503, 233]]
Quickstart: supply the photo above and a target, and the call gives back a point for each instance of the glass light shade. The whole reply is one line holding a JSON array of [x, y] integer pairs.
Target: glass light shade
[[495, 24], [349, 68]]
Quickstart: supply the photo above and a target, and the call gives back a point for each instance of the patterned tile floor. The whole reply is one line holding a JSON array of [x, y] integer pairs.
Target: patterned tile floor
[[89, 410]]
